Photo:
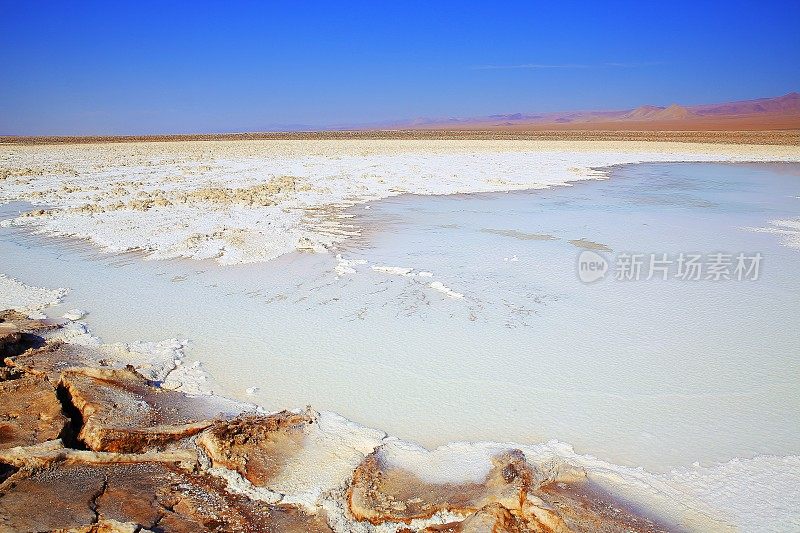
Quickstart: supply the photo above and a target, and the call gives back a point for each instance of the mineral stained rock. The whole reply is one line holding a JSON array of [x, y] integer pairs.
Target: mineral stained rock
[[18, 332], [107, 526], [44, 455], [514, 497], [53, 358], [382, 493], [493, 518], [297, 452], [30, 412], [9, 336], [154, 495], [123, 412], [57, 356], [577, 508], [257, 447]]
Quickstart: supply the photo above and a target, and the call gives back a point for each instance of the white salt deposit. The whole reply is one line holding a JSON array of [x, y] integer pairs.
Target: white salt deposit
[[457, 462], [332, 449], [347, 266], [398, 271], [441, 287], [788, 229], [74, 314], [191, 199], [25, 298]]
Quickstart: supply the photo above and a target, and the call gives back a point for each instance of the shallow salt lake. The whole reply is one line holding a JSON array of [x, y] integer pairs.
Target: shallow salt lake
[[653, 373]]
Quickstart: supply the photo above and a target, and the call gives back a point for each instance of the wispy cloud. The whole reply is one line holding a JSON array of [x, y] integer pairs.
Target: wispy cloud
[[562, 66]]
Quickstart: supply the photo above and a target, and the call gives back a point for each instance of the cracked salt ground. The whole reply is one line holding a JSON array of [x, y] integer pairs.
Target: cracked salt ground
[[528, 354]]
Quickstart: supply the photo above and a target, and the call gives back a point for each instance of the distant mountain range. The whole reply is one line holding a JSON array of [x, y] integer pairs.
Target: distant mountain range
[[777, 113]]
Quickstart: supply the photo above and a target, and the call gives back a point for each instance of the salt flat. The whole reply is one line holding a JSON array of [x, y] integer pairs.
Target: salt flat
[[417, 308], [248, 201]]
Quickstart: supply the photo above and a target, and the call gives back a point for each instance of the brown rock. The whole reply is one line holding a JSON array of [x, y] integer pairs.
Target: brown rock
[[18, 333], [494, 518], [94, 497], [47, 454], [257, 447], [55, 357], [585, 506], [30, 413], [572, 507], [381, 493], [106, 526], [10, 335], [515, 497], [123, 412]]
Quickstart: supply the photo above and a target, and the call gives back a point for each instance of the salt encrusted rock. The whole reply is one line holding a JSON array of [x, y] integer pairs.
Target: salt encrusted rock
[[18, 332], [159, 362], [30, 412], [381, 493], [514, 496], [57, 356], [46, 454], [123, 412], [76, 495], [26, 324], [53, 358], [585, 506], [106, 526], [301, 453], [493, 518], [257, 447]]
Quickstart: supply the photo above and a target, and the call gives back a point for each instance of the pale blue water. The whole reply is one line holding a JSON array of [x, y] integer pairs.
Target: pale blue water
[[651, 373]]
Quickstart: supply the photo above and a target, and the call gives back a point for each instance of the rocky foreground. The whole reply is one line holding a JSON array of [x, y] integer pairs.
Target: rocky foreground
[[89, 445]]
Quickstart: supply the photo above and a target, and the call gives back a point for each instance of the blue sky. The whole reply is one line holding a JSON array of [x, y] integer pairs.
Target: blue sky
[[162, 67]]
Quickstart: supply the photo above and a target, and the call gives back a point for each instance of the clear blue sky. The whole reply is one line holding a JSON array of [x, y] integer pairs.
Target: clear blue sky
[[118, 67]]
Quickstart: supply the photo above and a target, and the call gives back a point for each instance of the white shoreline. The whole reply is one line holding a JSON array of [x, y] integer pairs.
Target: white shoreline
[[169, 199], [25, 298]]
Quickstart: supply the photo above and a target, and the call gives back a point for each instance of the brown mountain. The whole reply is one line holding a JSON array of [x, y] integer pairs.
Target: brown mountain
[[780, 113], [789, 103], [649, 112]]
